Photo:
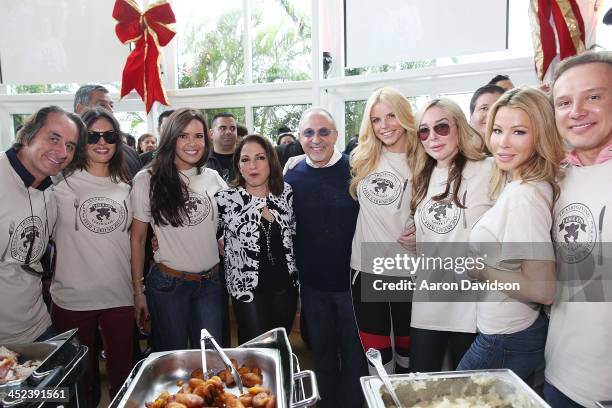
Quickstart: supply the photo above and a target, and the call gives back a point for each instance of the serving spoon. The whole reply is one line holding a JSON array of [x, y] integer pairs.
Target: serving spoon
[[373, 356]]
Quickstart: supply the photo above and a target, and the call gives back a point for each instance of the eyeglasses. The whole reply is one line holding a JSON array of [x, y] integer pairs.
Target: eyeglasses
[[109, 136], [322, 132], [441, 129]]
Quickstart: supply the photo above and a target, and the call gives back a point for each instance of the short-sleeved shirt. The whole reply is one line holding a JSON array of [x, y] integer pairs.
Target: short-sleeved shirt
[[191, 247], [516, 228], [93, 242], [23, 314], [442, 221]]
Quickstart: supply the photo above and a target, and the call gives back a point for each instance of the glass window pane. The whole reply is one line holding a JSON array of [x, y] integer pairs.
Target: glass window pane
[[267, 119], [133, 123], [54, 88], [238, 113], [353, 112], [210, 51], [18, 119], [281, 40]]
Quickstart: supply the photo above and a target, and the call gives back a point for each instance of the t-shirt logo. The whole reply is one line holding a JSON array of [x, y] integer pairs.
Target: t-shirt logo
[[102, 215], [440, 216], [575, 232], [198, 207], [26, 232], [382, 188]]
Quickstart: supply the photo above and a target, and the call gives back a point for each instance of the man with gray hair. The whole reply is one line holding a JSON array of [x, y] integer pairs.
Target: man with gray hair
[[92, 96], [326, 216], [44, 146], [578, 347]]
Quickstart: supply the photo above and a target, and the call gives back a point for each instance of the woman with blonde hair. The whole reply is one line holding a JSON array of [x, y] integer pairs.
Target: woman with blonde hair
[[381, 183], [513, 237], [449, 194]]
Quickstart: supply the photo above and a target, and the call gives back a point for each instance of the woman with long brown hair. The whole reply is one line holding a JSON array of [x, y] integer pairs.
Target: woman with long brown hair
[[176, 196]]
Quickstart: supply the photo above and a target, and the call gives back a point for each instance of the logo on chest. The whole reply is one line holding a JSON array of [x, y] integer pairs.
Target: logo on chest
[[198, 208], [441, 216], [102, 215], [381, 188], [576, 232], [28, 233]]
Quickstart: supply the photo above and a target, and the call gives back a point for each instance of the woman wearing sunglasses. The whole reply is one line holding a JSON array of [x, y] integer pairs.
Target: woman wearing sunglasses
[[514, 235], [381, 183], [176, 196], [92, 287], [449, 193], [257, 222]]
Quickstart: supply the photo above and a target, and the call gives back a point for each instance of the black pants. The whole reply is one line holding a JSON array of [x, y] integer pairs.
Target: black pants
[[268, 310], [427, 348], [374, 320]]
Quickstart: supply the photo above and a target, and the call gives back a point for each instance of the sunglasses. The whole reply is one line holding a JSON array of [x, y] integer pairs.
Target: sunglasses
[[441, 129], [109, 136], [26, 266], [322, 132]]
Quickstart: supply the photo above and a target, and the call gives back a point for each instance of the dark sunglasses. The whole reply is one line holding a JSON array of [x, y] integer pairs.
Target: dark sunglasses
[[109, 136], [26, 266], [442, 129], [323, 132]]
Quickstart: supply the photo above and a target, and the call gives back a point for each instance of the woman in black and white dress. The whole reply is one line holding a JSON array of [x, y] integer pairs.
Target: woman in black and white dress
[[257, 223]]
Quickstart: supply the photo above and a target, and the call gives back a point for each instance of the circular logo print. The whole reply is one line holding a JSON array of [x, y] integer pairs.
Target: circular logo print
[[27, 233], [575, 232], [382, 188], [440, 216], [102, 215], [198, 208]]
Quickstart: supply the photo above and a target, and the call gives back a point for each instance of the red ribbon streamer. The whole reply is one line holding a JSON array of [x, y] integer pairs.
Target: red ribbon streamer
[[150, 30], [567, 47]]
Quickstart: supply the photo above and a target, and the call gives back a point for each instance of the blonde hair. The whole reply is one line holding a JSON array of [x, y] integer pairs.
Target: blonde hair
[[544, 164], [470, 146], [366, 155]]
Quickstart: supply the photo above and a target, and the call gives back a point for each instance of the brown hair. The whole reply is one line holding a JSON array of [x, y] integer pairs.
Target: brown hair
[[469, 143], [275, 181]]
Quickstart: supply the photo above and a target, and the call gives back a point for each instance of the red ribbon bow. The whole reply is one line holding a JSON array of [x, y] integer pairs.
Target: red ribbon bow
[[150, 30]]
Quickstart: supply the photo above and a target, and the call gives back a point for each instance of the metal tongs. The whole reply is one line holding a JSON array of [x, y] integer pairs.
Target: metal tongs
[[373, 356], [205, 336]]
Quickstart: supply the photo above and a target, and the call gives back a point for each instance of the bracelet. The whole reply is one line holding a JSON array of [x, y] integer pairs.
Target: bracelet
[[138, 280], [140, 290]]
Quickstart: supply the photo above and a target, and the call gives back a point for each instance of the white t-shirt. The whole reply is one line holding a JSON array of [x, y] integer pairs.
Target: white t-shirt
[[579, 343], [93, 243], [444, 222], [520, 216], [384, 206], [193, 246], [23, 314]]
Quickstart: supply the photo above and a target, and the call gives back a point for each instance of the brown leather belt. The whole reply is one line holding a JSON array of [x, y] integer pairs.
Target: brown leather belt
[[194, 277]]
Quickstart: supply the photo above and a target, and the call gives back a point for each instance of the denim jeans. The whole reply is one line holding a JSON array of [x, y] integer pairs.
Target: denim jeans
[[180, 309], [332, 332], [557, 399], [522, 352]]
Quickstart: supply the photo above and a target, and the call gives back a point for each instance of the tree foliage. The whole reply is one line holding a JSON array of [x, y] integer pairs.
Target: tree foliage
[[267, 119]]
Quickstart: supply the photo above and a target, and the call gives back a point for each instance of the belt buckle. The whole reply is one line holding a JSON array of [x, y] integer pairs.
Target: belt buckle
[[206, 275]]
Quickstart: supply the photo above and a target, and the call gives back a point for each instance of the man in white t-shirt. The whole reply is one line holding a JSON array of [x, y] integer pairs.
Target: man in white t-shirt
[[578, 347], [43, 147]]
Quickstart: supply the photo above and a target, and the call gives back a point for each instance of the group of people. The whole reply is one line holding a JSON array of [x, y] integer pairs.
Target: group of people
[[228, 220]]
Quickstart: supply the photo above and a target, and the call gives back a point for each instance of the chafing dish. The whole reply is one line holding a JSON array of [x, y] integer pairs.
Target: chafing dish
[[425, 387], [63, 360], [271, 352]]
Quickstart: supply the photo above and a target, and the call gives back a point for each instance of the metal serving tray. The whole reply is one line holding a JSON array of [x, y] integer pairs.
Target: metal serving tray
[[424, 387], [161, 371]]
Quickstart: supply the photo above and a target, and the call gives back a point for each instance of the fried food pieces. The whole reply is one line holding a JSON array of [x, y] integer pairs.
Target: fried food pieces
[[198, 392]]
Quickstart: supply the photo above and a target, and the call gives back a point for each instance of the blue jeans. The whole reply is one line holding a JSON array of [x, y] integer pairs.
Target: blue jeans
[[557, 399], [522, 352], [332, 332], [180, 309]]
